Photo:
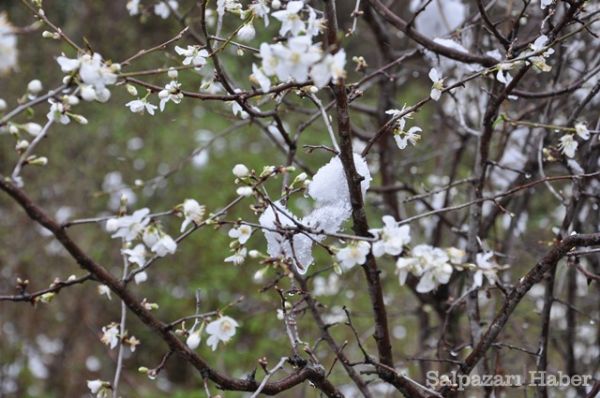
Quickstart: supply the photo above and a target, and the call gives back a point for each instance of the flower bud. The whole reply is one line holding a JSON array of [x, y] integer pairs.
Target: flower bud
[[22, 145], [32, 128], [37, 161], [240, 171], [172, 73], [79, 119], [244, 191], [132, 90], [3, 105], [34, 87], [193, 340]]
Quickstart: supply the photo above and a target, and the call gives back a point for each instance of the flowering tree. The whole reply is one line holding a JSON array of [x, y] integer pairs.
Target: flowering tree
[[436, 173]]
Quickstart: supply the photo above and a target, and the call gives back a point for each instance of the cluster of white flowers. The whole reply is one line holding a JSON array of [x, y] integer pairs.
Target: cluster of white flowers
[[568, 145], [299, 58], [92, 74], [536, 55], [219, 330], [430, 264], [139, 226], [401, 136], [390, 240], [8, 45]]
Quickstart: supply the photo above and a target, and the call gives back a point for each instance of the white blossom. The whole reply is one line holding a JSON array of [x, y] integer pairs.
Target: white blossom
[[141, 106], [331, 67], [402, 137], [165, 245], [57, 113], [68, 65], [260, 78], [353, 254], [261, 10], [391, 238], [101, 389], [294, 59], [238, 257], [568, 145], [193, 212], [133, 7], [241, 233], [8, 45], [163, 10], [193, 55], [485, 267], [428, 263], [137, 255], [104, 290], [222, 329], [582, 131], [151, 235], [110, 335], [502, 75], [290, 18], [314, 25], [438, 84], [171, 92], [128, 227]]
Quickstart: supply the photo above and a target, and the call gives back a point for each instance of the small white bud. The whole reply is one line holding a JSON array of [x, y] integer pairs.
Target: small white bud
[[240, 171], [34, 87], [41, 161], [22, 145], [193, 340], [80, 119], [172, 73], [88, 93], [72, 100], [3, 105], [132, 90], [32, 128], [246, 32], [244, 191], [276, 4]]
